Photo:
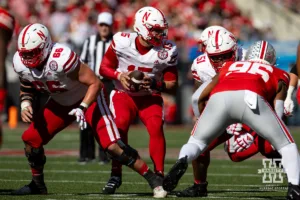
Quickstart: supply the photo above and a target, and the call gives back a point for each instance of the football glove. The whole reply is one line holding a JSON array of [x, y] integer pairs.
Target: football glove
[[288, 107], [243, 142], [80, 118], [234, 129]]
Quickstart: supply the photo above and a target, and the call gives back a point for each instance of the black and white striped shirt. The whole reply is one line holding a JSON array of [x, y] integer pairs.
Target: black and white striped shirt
[[93, 51]]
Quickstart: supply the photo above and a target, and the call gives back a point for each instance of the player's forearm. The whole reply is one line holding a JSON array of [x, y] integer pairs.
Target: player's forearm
[[109, 73], [92, 92]]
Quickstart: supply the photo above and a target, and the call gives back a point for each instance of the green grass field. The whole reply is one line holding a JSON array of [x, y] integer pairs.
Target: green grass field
[[68, 180]]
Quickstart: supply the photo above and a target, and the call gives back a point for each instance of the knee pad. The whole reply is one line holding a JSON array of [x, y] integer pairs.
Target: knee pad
[[35, 156], [129, 155]]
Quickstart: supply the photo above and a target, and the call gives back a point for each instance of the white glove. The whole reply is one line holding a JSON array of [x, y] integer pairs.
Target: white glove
[[288, 107], [243, 142], [234, 129], [80, 118]]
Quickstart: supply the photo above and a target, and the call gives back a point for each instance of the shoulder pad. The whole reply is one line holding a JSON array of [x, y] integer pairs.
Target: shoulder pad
[[17, 64], [123, 39], [62, 59]]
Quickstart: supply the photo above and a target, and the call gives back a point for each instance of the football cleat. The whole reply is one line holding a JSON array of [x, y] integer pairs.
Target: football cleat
[[171, 179], [113, 183], [196, 190], [159, 192], [293, 192], [36, 186]]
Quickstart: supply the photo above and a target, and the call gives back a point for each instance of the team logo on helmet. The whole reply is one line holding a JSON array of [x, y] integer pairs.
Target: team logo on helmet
[[162, 54], [53, 65]]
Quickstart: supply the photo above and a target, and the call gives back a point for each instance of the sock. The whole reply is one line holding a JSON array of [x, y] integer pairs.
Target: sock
[[143, 170], [116, 169], [291, 162], [37, 171], [192, 149]]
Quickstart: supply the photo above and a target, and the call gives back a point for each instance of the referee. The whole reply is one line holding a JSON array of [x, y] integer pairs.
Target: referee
[[92, 53]]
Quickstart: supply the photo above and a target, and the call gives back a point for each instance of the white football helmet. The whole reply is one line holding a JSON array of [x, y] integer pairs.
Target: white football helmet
[[34, 45], [206, 33], [221, 47], [261, 51], [151, 24]]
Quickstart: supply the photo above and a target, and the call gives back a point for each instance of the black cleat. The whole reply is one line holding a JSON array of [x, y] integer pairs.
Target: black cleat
[[293, 192], [113, 183], [196, 190], [171, 179], [36, 186]]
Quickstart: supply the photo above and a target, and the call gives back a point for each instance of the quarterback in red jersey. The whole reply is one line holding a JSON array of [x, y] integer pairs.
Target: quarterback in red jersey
[[75, 93], [7, 23], [148, 51], [243, 92]]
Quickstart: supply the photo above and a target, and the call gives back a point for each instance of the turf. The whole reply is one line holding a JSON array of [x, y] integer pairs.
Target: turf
[[68, 180]]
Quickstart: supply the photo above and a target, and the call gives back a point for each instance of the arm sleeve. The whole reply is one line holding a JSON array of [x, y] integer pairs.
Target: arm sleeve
[[170, 74], [109, 64], [294, 70], [71, 63]]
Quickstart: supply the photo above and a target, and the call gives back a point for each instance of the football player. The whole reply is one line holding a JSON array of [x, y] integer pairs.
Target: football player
[[234, 98], [148, 51], [7, 23], [75, 94]]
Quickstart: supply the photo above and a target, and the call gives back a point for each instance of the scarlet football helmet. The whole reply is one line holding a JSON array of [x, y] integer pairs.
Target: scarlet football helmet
[[261, 51], [206, 33], [221, 47], [34, 45], [151, 24]]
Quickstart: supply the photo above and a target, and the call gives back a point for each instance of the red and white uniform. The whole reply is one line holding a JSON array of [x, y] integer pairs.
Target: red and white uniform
[[65, 95], [7, 21], [153, 63], [53, 78], [126, 54]]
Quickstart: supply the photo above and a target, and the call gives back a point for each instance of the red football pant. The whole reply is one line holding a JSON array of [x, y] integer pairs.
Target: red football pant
[[150, 110], [53, 118]]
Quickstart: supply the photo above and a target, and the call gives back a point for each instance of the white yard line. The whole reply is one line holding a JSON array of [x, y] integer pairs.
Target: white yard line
[[237, 166], [145, 183], [108, 172]]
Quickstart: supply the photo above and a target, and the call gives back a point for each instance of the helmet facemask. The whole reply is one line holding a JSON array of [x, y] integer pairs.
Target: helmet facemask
[[156, 34], [218, 60], [32, 58]]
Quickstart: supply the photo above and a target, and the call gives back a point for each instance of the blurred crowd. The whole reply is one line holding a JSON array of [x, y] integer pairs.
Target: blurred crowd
[[72, 21], [293, 5]]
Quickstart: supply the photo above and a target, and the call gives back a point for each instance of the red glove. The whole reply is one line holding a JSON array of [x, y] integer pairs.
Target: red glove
[[298, 96], [3, 93]]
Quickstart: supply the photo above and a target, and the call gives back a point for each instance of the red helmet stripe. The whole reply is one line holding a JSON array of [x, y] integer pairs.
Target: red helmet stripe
[[263, 49], [162, 15], [217, 39], [23, 37]]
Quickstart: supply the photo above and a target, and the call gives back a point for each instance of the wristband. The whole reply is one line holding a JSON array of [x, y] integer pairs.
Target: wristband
[[158, 85], [24, 105], [83, 106]]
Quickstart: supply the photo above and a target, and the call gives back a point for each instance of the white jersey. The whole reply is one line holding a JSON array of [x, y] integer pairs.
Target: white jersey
[[153, 63], [53, 79], [203, 70]]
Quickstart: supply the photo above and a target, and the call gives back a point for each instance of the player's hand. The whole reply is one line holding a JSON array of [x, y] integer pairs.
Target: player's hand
[[146, 83], [243, 142], [288, 107], [234, 129], [80, 118], [26, 114], [124, 79]]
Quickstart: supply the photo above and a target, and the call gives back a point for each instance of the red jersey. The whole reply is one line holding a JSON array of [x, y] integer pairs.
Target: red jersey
[[7, 21], [259, 78]]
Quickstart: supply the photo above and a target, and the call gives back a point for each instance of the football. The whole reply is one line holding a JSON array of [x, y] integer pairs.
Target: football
[[136, 78]]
